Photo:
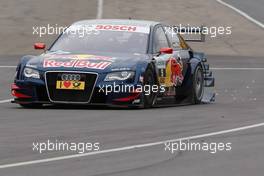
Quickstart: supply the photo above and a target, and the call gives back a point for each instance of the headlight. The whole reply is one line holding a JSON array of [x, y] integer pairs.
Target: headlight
[[119, 76], [31, 73]]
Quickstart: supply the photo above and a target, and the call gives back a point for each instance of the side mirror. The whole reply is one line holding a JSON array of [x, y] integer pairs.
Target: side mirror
[[166, 50], [39, 46]]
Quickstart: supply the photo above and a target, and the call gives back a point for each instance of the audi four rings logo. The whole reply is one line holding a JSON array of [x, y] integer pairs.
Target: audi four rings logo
[[70, 77]]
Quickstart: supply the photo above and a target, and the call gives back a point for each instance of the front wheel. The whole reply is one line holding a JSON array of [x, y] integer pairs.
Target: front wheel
[[198, 85], [149, 80]]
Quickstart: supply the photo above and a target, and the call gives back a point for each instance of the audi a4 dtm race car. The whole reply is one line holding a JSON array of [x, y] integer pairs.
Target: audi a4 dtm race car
[[132, 63]]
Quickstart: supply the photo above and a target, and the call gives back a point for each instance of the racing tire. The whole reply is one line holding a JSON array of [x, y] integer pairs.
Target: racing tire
[[31, 106], [197, 85], [149, 80]]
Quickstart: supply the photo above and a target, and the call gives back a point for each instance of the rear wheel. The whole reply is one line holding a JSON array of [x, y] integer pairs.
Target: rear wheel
[[198, 85], [149, 81]]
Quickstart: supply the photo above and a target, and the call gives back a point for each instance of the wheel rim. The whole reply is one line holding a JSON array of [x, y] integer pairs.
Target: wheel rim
[[150, 82], [199, 84]]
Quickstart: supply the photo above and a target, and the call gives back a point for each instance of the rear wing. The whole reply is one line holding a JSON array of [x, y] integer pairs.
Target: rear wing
[[191, 30]]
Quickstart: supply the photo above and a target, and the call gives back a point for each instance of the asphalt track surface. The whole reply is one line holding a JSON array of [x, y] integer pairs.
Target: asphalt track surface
[[253, 8], [239, 102]]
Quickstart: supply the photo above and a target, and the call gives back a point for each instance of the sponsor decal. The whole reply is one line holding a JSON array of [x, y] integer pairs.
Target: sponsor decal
[[174, 69], [80, 56], [76, 64], [170, 71], [127, 28], [70, 85], [78, 61]]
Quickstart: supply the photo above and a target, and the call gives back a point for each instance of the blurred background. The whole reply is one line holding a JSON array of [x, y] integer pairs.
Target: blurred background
[[17, 18]]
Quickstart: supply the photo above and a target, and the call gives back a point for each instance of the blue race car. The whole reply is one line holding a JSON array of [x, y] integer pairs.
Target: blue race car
[[131, 63]]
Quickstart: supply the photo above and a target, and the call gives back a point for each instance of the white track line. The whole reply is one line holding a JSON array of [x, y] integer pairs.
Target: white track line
[[242, 13], [7, 66], [235, 68], [6, 101], [130, 147], [100, 4]]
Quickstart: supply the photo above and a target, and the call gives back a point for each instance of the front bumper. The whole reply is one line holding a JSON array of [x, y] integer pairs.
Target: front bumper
[[35, 92]]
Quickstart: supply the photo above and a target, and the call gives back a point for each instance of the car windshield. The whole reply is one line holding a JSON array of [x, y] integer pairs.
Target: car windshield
[[103, 41]]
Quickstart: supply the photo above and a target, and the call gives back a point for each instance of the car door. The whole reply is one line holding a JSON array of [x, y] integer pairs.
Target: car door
[[180, 48], [168, 66]]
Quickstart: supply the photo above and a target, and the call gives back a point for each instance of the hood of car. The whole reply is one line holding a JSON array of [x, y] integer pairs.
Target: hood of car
[[103, 62]]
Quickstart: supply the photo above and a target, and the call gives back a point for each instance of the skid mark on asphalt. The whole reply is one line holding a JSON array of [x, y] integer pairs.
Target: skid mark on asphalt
[[131, 147]]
